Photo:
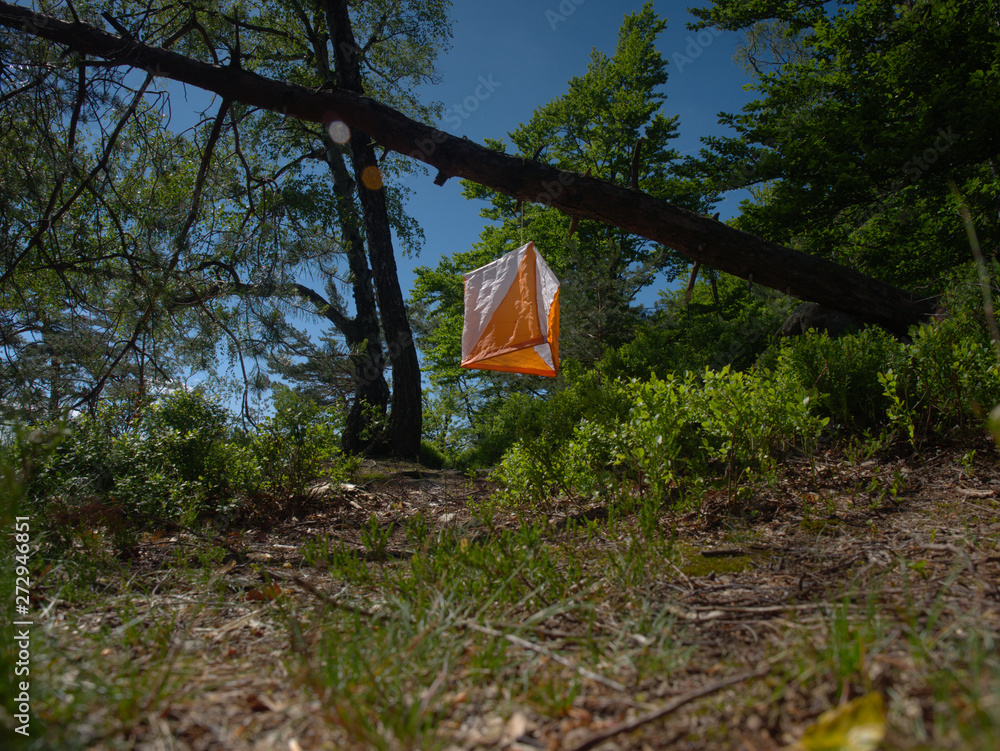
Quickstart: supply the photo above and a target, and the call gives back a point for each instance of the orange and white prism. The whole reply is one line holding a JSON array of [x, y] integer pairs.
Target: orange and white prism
[[512, 315]]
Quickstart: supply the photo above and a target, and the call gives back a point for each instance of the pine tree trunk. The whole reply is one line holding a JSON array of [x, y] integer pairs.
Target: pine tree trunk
[[364, 426], [406, 415]]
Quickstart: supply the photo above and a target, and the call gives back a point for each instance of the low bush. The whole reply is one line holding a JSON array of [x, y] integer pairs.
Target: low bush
[[671, 429], [842, 374], [951, 380], [600, 437], [431, 456], [183, 462], [947, 379], [580, 394], [296, 445]]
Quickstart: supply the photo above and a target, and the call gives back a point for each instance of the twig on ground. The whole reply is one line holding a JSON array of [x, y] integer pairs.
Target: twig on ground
[[239, 555], [723, 552], [308, 587], [538, 648], [673, 706]]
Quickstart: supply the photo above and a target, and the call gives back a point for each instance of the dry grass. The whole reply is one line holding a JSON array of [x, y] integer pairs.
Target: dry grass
[[400, 614]]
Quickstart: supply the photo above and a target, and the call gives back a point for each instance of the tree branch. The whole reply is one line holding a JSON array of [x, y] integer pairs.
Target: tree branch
[[724, 247]]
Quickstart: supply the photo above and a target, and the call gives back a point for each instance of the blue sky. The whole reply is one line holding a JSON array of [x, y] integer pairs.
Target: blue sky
[[519, 55]]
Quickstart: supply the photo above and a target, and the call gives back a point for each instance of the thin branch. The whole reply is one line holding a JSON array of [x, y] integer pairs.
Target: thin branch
[[199, 185], [26, 87], [333, 601], [669, 708], [181, 243], [239, 555], [538, 648]]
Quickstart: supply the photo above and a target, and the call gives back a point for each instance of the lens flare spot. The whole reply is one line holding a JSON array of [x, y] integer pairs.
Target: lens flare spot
[[339, 132], [372, 178]]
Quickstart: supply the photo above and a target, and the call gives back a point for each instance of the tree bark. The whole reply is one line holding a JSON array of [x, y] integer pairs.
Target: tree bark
[[697, 237], [363, 425], [406, 415]]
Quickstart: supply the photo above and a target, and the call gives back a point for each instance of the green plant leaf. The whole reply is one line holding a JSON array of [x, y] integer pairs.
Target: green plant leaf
[[993, 423], [859, 725]]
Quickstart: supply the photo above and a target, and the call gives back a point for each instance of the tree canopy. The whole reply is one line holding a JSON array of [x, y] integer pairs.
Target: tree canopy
[[250, 212], [251, 207], [856, 139]]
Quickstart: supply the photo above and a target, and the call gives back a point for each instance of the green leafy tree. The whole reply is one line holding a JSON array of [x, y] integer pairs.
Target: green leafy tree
[[858, 133], [723, 324], [221, 230], [610, 124], [84, 259]]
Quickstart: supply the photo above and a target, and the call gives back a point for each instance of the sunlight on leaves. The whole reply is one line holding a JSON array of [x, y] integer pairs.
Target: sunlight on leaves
[[859, 725]]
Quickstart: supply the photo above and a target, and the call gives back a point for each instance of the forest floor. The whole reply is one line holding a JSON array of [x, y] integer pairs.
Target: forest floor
[[403, 612]]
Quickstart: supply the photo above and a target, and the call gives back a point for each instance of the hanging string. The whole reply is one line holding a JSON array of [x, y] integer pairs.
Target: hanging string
[[522, 222]]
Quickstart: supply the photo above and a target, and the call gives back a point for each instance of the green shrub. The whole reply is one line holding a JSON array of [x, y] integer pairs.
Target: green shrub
[[579, 395], [748, 420], [842, 374], [659, 442], [951, 380], [431, 456], [947, 379], [177, 465], [297, 445], [185, 436], [673, 429], [564, 443], [182, 463]]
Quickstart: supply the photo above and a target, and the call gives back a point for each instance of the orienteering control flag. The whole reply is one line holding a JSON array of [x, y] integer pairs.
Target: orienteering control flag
[[512, 315]]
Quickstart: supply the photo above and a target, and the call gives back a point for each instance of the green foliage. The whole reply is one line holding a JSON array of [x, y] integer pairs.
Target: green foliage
[[856, 133], [665, 432], [900, 416], [724, 324], [678, 338], [749, 419], [375, 538], [947, 379], [431, 456], [604, 438], [186, 433], [136, 253], [579, 395], [296, 445], [952, 380], [183, 462], [843, 374], [178, 464]]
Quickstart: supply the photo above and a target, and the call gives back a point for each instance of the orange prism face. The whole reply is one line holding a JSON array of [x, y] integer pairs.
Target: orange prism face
[[512, 315]]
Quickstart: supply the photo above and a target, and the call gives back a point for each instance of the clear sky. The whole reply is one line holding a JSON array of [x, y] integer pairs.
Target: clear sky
[[520, 54]]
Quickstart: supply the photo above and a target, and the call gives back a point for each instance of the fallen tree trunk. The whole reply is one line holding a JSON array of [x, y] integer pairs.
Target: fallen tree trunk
[[697, 237]]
